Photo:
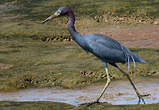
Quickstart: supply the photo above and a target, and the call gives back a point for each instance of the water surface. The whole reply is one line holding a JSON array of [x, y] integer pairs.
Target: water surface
[[119, 92]]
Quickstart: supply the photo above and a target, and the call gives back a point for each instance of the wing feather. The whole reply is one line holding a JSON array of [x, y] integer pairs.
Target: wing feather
[[105, 48], [109, 50]]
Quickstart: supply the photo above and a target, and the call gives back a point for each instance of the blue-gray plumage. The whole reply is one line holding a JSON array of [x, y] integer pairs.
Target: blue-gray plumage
[[106, 49], [109, 50]]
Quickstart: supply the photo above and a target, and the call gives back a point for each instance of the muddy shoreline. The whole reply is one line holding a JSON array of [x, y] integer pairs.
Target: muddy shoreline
[[119, 93]]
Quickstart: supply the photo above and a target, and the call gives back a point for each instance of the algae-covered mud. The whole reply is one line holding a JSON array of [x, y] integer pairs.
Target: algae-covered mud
[[6, 105], [105, 106], [26, 63], [23, 17], [61, 106]]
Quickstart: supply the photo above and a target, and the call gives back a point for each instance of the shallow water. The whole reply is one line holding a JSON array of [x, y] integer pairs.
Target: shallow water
[[119, 92]]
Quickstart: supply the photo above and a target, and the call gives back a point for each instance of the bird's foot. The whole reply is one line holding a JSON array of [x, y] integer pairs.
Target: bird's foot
[[141, 98], [90, 103]]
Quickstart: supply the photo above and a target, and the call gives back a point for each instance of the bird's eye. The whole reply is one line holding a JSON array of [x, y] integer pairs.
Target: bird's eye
[[57, 13]]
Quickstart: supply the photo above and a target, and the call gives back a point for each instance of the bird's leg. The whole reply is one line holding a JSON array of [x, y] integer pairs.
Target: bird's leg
[[106, 85], [138, 94]]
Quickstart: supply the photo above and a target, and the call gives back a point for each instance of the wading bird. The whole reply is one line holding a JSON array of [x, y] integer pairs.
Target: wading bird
[[106, 49]]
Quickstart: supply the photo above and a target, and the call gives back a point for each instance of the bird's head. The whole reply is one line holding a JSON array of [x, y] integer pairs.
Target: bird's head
[[60, 12]]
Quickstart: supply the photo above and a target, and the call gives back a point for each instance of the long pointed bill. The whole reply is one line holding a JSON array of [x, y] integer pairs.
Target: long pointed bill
[[49, 18]]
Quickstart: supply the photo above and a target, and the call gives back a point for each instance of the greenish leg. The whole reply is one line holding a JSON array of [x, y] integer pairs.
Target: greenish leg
[[106, 85], [137, 92]]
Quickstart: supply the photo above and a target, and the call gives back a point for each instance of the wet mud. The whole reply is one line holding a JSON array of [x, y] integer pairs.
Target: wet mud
[[118, 93]]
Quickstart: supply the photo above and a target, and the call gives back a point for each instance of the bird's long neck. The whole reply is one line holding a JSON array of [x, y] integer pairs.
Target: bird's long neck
[[71, 28], [77, 37]]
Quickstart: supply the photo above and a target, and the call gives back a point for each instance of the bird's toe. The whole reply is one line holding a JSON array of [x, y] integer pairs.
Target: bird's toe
[[141, 99]]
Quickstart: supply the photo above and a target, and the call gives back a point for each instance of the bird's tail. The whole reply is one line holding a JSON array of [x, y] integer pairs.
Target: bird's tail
[[131, 57], [134, 58], [138, 59]]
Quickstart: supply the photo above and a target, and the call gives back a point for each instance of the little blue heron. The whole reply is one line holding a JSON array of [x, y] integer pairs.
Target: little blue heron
[[106, 49]]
